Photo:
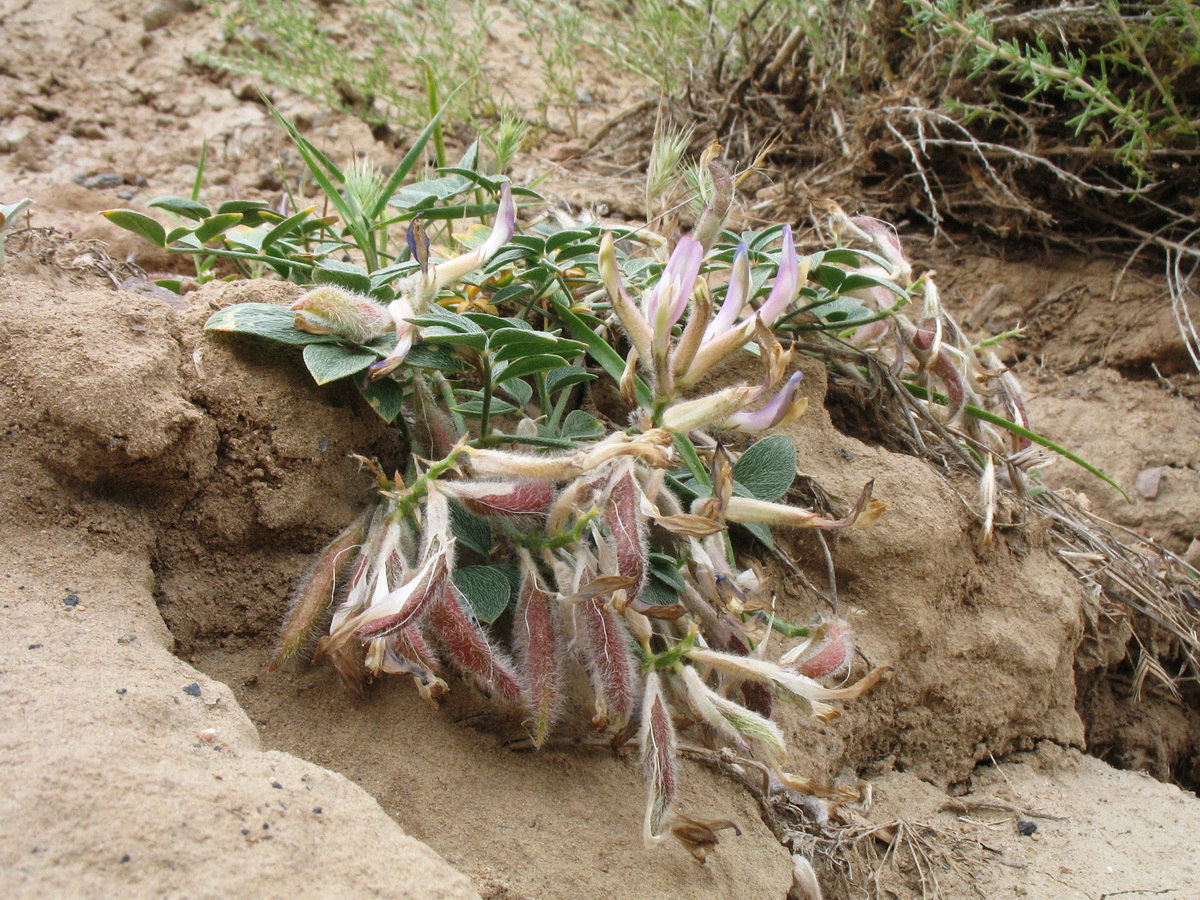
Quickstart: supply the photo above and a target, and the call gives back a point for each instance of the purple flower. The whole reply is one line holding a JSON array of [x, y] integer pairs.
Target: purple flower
[[787, 281], [735, 294], [784, 408], [664, 304]]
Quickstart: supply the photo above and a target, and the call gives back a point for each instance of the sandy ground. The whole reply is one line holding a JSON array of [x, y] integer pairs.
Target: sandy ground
[[163, 490]]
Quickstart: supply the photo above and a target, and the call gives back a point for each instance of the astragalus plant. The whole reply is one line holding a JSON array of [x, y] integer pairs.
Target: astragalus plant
[[567, 523], [543, 553]]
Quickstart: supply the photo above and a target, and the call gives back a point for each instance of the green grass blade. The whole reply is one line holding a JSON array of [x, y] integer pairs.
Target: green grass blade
[[410, 159], [999, 421], [599, 349], [319, 165], [198, 183]]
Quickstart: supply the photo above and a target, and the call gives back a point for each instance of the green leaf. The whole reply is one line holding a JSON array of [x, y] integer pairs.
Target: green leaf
[[492, 186], [428, 356], [578, 253], [181, 206], [515, 388], [666, 569], [658, 592], [286, 227], [139, 224], [768, 468], [343, 274], [840, 309], [579, 426], [240, 206], [215, 225], [426, 193], [329, 362], [471, 531], [528, 365], [265, 320], [474, 408], [439, 334], [532, 242], [385, 396], [488, 589], [516, 342], [437, 315], [491, 323], [567, 236], [565, 376]]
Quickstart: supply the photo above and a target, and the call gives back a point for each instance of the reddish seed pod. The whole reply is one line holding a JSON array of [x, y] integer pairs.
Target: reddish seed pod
[[430, 584], [829, 653], [659, 762], [521, 498], [316, 592], [536, 637], [609, 661], [625, 521], [469, 647]]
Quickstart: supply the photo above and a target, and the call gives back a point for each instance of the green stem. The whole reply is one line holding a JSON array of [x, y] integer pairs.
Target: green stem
[[448, 398], [553, 443], [485, 413]]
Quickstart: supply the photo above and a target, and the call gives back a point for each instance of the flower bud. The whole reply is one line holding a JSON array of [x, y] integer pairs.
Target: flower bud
[[788, 280], [681, 418]]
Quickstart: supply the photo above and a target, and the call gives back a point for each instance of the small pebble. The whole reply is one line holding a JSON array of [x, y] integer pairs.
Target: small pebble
[[35, 646], [125, 857], [165, 12], [122, 690], [318, 810], [192, 690], [127, 639], [277, 785], [100, 181], [71, 600], [126, 195], [1149, 481], [1026, 828]]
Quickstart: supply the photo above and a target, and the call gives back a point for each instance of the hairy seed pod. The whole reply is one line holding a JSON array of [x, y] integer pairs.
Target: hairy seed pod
[[609, 661], [316, 592], [660, 763], [405, 604], [470, 648], [432, 429], [504, 498], [628, 527], [735, 723], [333, 310], [535, 634], [828, 651]]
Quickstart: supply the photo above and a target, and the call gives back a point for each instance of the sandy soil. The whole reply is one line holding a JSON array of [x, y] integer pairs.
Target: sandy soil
[[162, 491]]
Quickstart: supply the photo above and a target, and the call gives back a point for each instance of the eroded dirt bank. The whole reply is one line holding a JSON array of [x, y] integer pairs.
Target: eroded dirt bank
[[149, 463]]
